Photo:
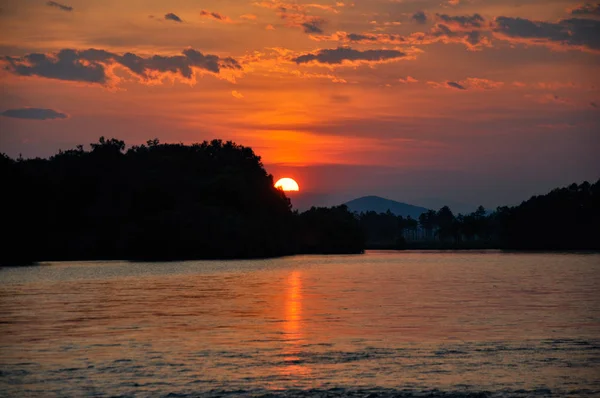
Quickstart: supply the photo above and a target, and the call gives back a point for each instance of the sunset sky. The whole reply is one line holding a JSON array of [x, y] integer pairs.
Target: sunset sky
[[428, 102]]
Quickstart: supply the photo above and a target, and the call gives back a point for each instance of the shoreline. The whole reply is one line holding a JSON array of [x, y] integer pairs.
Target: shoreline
[[379, 248]]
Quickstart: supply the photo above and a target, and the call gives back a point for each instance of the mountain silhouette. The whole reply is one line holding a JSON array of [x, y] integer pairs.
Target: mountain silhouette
[[382, 205]]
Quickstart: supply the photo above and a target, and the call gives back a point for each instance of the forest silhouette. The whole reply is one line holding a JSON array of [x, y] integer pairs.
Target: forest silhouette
[[159, 202], [215, 200], [564, 219]]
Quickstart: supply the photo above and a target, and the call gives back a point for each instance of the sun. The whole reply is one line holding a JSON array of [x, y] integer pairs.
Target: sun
[[287, 184]]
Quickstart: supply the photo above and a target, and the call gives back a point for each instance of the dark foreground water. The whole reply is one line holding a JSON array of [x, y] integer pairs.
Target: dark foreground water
[[380, 324]]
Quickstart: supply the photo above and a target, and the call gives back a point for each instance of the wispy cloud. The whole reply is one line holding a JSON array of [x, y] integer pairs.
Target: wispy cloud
[[215, 16], [297, 15], [34, 114], [60, 6], [586, 9]]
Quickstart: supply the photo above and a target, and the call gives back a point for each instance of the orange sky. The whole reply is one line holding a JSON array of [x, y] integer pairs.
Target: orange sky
[[472, 101]]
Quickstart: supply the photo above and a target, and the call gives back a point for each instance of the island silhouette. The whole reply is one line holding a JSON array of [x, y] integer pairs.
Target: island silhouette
[[215, 200]]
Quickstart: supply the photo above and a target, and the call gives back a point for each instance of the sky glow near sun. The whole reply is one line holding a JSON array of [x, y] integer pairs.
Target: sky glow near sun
[[473, 101]]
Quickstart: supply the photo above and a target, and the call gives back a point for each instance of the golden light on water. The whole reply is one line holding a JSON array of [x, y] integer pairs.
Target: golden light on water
[[293, 328]]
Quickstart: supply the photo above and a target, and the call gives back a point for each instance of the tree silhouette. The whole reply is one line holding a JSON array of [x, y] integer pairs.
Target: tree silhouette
[[564, 219], [158, 201]]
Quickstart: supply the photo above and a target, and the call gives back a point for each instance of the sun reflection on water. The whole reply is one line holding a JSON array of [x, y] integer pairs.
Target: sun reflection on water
[[292, 328]]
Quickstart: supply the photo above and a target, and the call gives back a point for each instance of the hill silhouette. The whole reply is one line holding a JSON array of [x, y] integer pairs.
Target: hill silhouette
[[564, 219], [382, 205]]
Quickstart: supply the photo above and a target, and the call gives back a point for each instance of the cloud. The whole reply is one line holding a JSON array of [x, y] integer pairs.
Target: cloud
[[313, 26], [62, 7], [587, 9], [593, 105], [408, 79], [473, 40], [463, 21], [306, 75], [573, 33], [248, 17], [34, 114], [366, 38], [419, 17], [469, 30], [172, 17], [215, 15], [96, 66], [470, 83], [455, 85], [283, 7], [475, 32], [237, 94], [481, 84], [296, 15], [342, 55]]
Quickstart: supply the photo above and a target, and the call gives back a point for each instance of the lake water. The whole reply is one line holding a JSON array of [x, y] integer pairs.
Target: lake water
[[379, 324]]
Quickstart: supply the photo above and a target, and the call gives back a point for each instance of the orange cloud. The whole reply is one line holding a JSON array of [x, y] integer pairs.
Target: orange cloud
[[296, 15], [408, 79], [470, 83]]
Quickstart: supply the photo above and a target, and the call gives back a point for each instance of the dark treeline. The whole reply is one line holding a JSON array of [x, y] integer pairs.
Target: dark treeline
[[564, 219], [215, 200], [159, 201]]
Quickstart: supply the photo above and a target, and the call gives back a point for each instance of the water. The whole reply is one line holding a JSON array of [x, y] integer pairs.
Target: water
[[379, 324]]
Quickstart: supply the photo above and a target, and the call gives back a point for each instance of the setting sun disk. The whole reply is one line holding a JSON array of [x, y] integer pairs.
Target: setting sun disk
[[287, 184]]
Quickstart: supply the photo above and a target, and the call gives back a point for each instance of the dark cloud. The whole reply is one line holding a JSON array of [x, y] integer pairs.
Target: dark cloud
[[64, 65], [314, 25], [455, 85], [574, 32], [374, 38], [214, 15], [62, 7], [172, 17], [419, 17], [93, 66], [440, 33], [473, 39], [465, 21], [471, 30], [587, 9], [34, 114], [593, 105], [341, 54]]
